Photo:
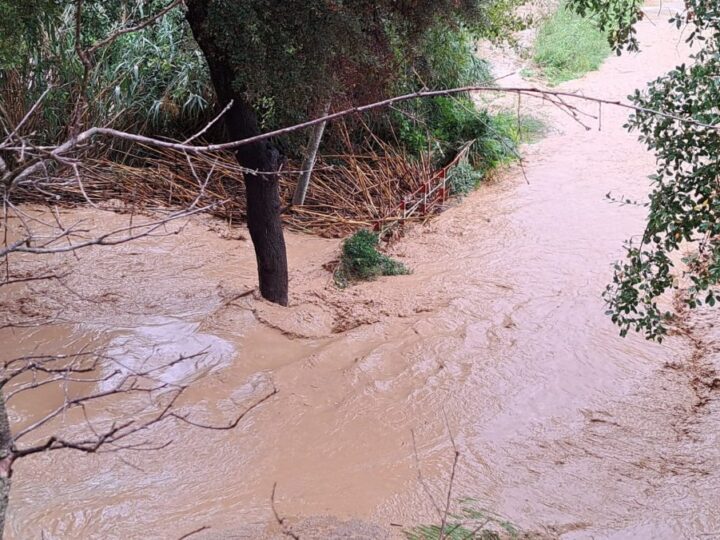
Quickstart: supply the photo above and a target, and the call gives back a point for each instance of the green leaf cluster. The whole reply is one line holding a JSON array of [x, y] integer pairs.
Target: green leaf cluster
[[684, 205], [469, 522], [617, 18], [361, 260], [154, 81]]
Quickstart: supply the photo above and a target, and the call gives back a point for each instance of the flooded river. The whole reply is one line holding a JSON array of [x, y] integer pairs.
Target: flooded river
[[499, 335]]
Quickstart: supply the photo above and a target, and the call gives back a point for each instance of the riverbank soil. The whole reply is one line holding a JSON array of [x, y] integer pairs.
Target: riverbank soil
[[499, 334]]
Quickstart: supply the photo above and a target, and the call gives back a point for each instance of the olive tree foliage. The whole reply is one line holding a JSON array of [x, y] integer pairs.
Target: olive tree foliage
[[616, 17], [288, 59], [680, 246]]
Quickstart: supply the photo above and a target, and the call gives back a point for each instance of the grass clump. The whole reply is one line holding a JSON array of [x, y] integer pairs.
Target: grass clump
[[568, 46], [361, 260], [469, 523], [503, 134]]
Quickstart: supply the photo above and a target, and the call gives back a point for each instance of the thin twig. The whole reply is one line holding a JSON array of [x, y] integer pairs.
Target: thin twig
[[448, 499], [421, 479], [191, 533], [281, 520]]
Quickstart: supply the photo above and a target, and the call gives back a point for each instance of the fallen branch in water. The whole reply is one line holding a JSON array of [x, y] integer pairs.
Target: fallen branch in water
[[196, 531], [23, 375], [285, 529], [111, 238]]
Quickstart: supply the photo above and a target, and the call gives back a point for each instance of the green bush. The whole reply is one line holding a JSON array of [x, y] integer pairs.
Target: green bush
[[455, 121], [154, 81], [568, 46], [499, 144], [440, 125], [360, 260], [463, 179]]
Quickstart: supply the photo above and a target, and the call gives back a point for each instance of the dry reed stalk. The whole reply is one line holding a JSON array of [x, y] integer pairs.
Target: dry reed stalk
[[347, 191]]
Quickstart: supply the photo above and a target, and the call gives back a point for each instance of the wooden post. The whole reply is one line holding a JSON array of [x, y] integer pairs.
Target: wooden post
[[309, 161]]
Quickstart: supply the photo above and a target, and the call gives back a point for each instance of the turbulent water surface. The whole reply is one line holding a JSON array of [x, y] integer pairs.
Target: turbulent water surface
[[499, 335]]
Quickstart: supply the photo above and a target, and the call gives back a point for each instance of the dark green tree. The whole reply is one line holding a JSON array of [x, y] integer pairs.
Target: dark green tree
[[684, 204]]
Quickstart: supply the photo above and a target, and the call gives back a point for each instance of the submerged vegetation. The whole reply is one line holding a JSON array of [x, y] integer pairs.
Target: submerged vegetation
[[470, 522], [361, 260], [568, 46]]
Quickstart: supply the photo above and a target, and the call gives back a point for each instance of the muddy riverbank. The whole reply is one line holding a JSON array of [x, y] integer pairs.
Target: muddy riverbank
[[563, 427]]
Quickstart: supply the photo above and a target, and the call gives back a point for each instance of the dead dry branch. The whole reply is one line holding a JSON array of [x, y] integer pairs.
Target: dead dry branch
[[89, 383], [348, 191]]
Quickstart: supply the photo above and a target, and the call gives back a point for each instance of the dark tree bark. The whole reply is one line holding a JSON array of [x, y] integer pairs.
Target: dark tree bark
[[263, 193]]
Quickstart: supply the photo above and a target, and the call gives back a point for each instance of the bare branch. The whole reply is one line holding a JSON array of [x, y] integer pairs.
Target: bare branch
[[281, 520], [63, 378], [111, 238], [25, 118], [421, 478], [109, 437], [191, 533], [130, 383], [121, 387], [210, 123], [448, 499], [231, 425], [11, 281], [126, 380]]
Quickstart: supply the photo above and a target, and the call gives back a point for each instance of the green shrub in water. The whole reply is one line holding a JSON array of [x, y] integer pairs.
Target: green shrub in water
[[468, 522], [463, 179], [360, 260]]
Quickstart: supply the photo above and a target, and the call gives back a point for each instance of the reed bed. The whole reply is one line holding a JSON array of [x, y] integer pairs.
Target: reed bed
[[347, 191]]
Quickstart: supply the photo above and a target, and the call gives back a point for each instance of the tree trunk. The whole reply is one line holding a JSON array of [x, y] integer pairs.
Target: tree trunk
[[263, 193], [5, 438], [309, 161]]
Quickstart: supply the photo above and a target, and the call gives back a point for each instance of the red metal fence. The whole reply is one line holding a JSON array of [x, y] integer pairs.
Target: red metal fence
[[428, 199]]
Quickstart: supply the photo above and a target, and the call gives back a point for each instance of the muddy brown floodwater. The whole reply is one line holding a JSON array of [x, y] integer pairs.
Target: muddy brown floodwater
[[563, 427]]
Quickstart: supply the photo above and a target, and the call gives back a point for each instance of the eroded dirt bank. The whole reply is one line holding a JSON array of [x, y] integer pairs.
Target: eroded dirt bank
[[563, 427]]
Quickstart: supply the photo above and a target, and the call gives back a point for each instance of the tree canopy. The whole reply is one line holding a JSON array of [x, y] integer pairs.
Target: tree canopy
[[289, 58]]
